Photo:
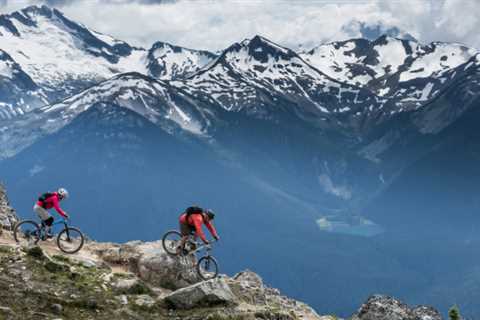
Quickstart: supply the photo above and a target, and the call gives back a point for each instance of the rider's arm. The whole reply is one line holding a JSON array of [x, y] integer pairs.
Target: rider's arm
[[211, 228], [57, 207], [197, 222]]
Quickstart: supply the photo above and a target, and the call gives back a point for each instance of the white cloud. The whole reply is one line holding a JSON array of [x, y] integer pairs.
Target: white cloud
[[216, 24]]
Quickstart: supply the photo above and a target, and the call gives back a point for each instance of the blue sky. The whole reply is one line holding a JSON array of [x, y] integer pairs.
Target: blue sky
[[215, 24]]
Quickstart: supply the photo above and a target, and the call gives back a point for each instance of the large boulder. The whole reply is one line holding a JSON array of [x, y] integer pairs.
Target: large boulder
[[150, 262], [204, 294], [158, 268], [380, 307]]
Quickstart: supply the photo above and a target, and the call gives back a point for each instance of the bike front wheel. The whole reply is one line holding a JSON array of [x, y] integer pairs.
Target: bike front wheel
[[27, 233], [70, 240], [207, 268], [170, 242]]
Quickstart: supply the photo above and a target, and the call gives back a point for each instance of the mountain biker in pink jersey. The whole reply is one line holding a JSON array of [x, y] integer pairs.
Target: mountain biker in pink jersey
[[191, 221], [48, 201]]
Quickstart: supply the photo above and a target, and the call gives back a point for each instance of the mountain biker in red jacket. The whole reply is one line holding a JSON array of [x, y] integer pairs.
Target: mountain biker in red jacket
[[48, 201], [191, 222]]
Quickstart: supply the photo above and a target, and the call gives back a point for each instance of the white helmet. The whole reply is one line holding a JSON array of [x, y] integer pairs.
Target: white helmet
[[63, 193]]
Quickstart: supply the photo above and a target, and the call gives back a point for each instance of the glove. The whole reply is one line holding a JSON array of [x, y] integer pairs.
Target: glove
[[216, 238], [67, 216]]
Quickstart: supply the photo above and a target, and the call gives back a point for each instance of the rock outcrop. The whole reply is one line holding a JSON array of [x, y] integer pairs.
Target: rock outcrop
[[204, 294], [150, 262], [380, 307], [8, 217]]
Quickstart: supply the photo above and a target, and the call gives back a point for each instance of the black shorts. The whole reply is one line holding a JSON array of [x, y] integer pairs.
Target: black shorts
[[186, 229], [48, 222]]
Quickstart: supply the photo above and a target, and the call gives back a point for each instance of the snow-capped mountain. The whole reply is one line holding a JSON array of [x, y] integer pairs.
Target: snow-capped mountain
[[456, 96], [18, 92], [345, 84], [153, 99], [167, 61], [261, 78], [156, 101], [61, 55], [361, 62], [404, 71], [348, 88]]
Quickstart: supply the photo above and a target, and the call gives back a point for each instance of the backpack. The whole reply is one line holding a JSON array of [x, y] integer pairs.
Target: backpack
[[193, 210], [45, 196]]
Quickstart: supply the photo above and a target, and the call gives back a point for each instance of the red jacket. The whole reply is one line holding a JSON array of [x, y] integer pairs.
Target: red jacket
[[196, 220], [52, 202]]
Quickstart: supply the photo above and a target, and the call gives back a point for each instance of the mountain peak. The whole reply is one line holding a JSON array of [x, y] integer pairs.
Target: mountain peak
[[165, 45], [259, 48], [42, 10], [258, 42], [162, 45], [168, 61]]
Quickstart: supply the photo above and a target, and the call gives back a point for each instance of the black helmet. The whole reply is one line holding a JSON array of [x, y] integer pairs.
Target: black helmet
[[210, 214]]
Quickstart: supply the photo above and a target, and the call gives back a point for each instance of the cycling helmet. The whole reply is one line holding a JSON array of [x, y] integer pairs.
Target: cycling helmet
[[62, 192], [210, 214]]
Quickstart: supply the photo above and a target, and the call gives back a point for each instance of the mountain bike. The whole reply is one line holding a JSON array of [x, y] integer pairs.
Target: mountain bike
[[69, 240], [206, 266]]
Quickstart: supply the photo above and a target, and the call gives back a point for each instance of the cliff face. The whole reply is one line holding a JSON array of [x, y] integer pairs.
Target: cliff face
[[139, 280]]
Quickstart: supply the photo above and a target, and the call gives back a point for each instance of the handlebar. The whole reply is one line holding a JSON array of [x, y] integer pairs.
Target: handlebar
[[209, 245]]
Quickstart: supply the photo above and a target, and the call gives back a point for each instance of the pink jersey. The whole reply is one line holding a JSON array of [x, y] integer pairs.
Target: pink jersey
[[52, 202]]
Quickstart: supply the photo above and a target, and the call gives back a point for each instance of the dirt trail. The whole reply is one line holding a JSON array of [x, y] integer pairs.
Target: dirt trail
[[85, 255]]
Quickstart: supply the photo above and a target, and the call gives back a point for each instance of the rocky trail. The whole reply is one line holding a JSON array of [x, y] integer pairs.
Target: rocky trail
[[50, 248], [135, 280]]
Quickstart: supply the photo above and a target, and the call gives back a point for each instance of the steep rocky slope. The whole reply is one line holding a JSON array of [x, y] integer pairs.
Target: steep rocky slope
[[98, 283]]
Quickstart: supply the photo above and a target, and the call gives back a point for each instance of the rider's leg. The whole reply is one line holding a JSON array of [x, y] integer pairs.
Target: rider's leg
[[48, 226], [44, 216], [181, 246], [185, 231], [41, 212]]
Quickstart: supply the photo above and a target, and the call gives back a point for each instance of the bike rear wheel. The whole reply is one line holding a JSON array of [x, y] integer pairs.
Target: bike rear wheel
[[70, 240], [207, 268], [27, 233], [171, 241]]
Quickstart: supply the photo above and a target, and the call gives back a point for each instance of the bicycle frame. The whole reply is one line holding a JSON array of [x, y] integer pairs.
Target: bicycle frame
[[199, 246], [55, 223]]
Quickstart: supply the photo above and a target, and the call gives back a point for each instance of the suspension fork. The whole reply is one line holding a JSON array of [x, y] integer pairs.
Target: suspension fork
[[67, 232]]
